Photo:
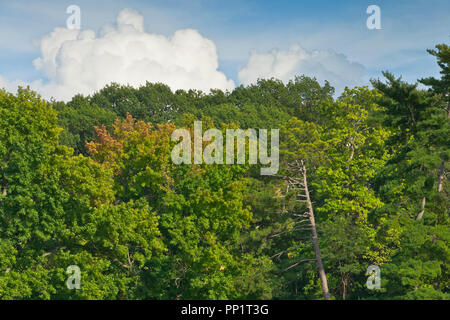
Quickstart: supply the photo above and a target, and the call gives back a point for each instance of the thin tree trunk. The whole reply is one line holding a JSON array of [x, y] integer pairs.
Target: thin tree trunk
[[322, 275], [4, 187], [441, 176], [344, 289], [352, 148], [420, 215], [439, 189]]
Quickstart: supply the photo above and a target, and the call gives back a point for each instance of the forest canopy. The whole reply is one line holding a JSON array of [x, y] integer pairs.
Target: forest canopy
[[91, 183]]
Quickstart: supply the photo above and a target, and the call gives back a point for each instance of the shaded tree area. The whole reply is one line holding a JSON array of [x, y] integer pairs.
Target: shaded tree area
[[91, 183]]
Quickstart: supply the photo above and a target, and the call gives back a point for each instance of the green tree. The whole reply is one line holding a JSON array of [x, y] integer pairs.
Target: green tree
[[413, 183], [200, 209], [344, 196], [58, 210]]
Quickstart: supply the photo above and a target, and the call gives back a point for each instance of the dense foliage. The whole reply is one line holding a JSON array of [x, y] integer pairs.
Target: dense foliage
[[91, 183]]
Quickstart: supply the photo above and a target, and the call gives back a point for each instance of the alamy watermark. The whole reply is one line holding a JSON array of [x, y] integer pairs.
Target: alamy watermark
[[213, 153], [74, 20], [74, 281], [374, 20], [374, 280]]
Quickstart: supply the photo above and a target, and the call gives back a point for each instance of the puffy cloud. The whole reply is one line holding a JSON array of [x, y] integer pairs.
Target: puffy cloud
[[285, 65], [79, 61]]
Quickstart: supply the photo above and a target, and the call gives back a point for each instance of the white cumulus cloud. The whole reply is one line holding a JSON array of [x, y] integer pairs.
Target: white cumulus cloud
[[285, 65], [80, 61]]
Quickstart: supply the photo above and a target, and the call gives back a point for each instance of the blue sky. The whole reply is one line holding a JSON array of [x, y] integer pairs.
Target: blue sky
[[240, 28]]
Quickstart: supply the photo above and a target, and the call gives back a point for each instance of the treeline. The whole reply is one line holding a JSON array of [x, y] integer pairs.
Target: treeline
[[91, 183]]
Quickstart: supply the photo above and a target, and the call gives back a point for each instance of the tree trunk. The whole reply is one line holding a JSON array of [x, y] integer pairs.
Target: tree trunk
[[322, 275], [420, 215], [441, 176], [344, 289], [4, 187]]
